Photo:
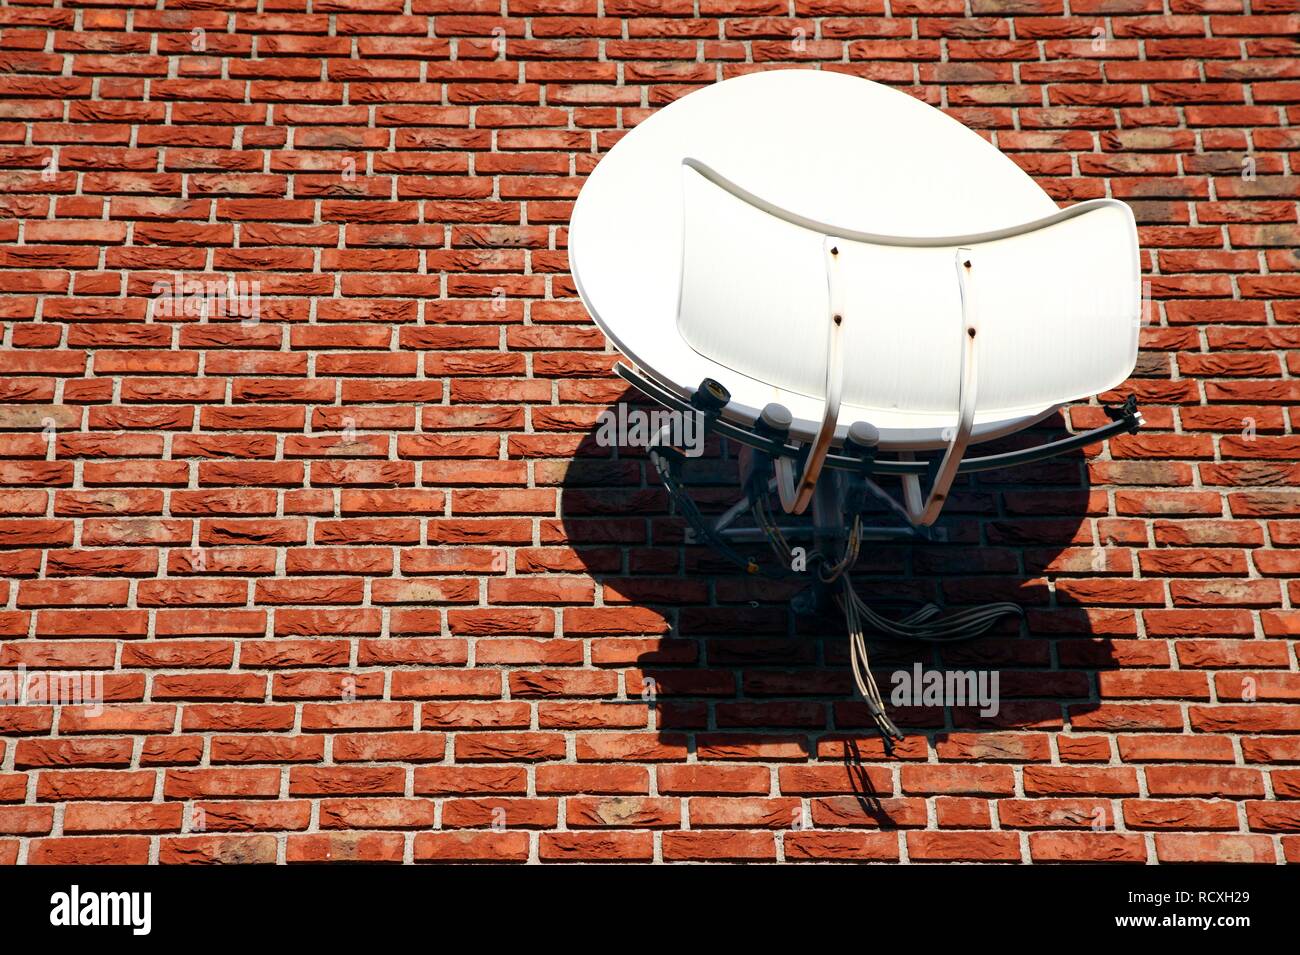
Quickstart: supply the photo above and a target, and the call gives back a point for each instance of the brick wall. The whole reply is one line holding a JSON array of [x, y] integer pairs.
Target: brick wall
[[360, 584]]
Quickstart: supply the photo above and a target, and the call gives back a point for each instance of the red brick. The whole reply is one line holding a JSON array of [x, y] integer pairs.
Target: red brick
[[471, 846], [227, 850], [963, 847], [720, 846], [89, 850], [1171, 847], [1086, 847], [345, 847], [599, 847]]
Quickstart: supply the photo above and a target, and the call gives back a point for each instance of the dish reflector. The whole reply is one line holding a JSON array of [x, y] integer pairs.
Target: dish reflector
[[841, 150]]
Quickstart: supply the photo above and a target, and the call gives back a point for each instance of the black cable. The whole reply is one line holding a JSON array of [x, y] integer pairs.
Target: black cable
[[921, 627], [691, 512]]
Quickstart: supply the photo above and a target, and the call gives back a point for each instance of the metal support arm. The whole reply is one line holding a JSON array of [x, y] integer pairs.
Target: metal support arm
[[795, 500], [926, 514]]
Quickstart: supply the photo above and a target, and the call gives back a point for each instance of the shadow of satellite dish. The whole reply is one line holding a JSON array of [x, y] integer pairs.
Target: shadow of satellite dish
[[730, 667]]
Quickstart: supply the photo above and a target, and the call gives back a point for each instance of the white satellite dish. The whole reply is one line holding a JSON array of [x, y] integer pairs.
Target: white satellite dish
[[828, 269]]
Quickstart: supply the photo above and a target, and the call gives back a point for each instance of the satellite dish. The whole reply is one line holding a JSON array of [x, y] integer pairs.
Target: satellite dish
[[849, 283]]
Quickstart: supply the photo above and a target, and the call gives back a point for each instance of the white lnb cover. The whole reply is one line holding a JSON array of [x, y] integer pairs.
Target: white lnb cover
[[1058, 304]]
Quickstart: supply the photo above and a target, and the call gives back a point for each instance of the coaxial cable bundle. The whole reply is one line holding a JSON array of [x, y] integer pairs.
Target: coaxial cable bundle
[[925, 625]]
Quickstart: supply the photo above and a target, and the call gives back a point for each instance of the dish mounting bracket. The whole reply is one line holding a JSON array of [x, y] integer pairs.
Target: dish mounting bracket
[[795, 484]]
